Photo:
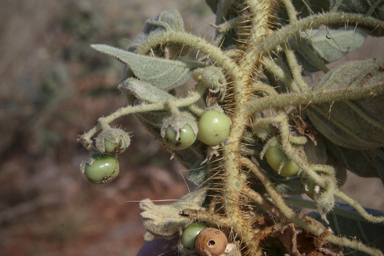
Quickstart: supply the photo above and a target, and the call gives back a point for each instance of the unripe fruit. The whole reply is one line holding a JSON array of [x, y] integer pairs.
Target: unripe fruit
[[101, 169], [276, 158], [214, 127], [184, 140], [112, 141], [211, 242], [310, 187], [190, 233], [115, 148], [179, 131]]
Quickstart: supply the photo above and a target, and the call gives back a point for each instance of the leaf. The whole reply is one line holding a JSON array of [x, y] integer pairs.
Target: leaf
[[379, 162], [212, 4], [308, 7], [198, 173], [357, 124], [331, 45], [344, 220], [360, 6], [162, 73], [165, 21], [359, 162], [164, 220], [373, 8], [144, 91], [327, 45]]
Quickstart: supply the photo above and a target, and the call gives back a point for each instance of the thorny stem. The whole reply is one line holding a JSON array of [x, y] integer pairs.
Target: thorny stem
[[309, 97], [312, 57], [276, 197], [373, 7], [292, 154], [296, 70], [272, 67], [244, 77], [241, 96], [198, 43], [292, 216], [286, 32], [358, 207], [228, 25], [259, 199], [192, 98], [302, 203], [290, 10]]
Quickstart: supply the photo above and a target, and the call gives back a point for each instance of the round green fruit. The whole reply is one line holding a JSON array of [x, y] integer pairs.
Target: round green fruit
[[103, 169], [189, 235], [214, 127], [112, 141], [186, 137], [275, 158]]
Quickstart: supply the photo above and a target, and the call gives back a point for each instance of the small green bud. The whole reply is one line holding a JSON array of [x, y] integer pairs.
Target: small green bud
[[212, 78], [112, 141]]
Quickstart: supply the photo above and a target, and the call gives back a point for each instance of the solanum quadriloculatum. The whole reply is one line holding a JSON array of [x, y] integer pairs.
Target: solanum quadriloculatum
[[248, 96]]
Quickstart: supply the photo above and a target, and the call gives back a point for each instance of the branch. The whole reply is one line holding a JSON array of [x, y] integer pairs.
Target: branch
[[310, 97], [285, 33]]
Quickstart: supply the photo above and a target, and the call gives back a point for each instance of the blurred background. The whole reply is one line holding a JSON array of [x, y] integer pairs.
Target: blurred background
[[53, 87]]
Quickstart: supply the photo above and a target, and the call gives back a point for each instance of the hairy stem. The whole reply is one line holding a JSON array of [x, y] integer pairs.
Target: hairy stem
[[198, 43], [309, 97], [334, 18]]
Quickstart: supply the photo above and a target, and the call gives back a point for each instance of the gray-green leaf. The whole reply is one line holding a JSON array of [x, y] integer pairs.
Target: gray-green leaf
[[162, 73], [144, 91], [344, 220], [374, 8], [165, 21], [357, 124], [331, 45]]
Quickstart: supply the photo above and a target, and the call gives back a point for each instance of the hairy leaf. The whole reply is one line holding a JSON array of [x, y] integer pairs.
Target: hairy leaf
[[331, 45], [162, 73], [359, 162], [374, 8], [379, 162], [326, 45], [164, 220], [144, 91], [357, 124], [165, 21], [198, 173], [344, 220], [212, 4]]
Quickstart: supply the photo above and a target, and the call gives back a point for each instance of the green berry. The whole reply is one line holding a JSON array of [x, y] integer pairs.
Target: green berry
[[112, 141], [280, 163], [185, 139], [190, 233], [214, 127], [101, 169]]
